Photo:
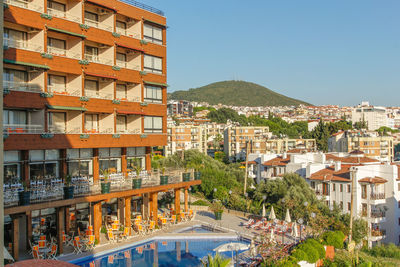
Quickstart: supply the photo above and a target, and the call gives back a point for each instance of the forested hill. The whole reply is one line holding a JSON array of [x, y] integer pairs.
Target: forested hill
[[236, 93]]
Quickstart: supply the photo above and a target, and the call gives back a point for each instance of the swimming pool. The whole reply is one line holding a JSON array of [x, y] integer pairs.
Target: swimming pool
[[199, 229], [159, 252]]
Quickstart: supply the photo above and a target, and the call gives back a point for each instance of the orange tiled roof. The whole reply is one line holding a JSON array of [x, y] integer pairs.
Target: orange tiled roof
[[299, 150], [352, 160], [373, 180], [278, 161], [329, 174], [249, 162]]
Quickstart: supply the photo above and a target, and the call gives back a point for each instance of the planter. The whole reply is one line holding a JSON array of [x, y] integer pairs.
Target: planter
[[163, 179], [197, 175], [105, 188], [186, 176], [136, 183], [24, 198], [218, 215], [68, 192]]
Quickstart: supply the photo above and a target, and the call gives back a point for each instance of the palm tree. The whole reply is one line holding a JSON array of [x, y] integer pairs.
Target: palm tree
[[216, 261]]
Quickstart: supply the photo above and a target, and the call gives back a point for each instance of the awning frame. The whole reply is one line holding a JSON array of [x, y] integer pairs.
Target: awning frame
[[66, 32]]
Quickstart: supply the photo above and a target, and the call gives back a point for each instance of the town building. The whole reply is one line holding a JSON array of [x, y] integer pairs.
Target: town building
[[184, 137], [370, 143], [374, 117], [84, 93], [180, 108]]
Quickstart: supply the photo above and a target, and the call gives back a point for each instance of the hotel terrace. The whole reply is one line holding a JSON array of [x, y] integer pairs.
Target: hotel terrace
[[84, 92]]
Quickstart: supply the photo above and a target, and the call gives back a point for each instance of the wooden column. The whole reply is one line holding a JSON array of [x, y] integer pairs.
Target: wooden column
[[121, 209], [25, 166], [128, 213], [145, 212], [28, 228], [96, 164], [67, 220], [154, 206], [123, 161], [177, 203], [60, 228], [186, 200], [97, 220], [15, 237], [64, 166], [148, 158]]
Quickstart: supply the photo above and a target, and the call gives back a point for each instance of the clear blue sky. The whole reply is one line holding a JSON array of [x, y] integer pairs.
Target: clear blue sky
[[324, 52]]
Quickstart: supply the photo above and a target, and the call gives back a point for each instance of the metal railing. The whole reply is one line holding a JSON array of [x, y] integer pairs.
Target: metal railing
[[22, 86], [98, 25], [377, 214], [98, 95], [62, 52], [144, 6], [62, 90], [97, 59], [63, 15], [129, 131], [131, 99], [127, 65], [22, 129], [57, 129], [24, 4], [22, 44], [376, 196], [128, 33]]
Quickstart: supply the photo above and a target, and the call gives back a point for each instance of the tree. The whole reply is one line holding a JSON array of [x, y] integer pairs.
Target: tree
[[321, 135], [360, 230], [216, 261]]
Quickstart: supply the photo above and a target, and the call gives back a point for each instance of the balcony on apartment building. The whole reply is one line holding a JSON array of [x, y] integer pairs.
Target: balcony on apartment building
[[129, 92], [23, 121], [96, 87], [99, 53], [99, 17], [99, 123], [128, 27], [128, 123], [70, 10], [21, 37], [64, 84], [128, 58], [23, 78], [34, 5], [63, 43]]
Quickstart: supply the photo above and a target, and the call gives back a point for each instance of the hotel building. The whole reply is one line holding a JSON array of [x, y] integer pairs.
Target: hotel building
[[84, 91]]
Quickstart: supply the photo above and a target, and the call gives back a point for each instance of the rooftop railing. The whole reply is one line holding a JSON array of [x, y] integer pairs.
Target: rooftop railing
[[144, 6]]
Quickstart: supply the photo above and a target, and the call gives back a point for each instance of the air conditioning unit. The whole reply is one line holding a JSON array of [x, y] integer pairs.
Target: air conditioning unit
[[129, 20], [101, 11]]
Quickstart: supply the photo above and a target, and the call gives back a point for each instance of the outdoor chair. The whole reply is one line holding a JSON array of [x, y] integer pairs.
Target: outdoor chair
[[125, 234], [36, 254], [90, 243], [77, 245], [110, 236], [52, 254]]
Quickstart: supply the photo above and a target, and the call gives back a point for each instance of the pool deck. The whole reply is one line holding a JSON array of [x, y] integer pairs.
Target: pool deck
[[230, 224]]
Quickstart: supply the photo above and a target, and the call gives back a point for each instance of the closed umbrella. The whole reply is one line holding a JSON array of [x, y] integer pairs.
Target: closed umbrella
[[7, 255], [272, 214], [272, 234], [287, 217], [263, 210], [295, 234], [231, 247]]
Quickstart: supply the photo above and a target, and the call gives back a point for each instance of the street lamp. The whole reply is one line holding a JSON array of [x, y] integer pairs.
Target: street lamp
[[300, 221], [215, 191]]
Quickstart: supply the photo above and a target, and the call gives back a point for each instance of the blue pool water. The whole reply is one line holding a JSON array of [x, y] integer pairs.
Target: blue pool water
[[197, 229], [161, 253]]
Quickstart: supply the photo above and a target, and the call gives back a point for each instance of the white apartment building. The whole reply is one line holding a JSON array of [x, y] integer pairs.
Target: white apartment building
[[375, 117]]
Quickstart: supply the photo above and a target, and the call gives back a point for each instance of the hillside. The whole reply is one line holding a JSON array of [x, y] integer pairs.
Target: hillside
[[235, 93]]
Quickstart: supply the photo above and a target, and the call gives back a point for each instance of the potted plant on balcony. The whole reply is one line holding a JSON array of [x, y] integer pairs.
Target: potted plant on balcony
[[186, 175], [137, 182], [68, 188], [24, 196], [163, 177], [218, 209], [105, 183]]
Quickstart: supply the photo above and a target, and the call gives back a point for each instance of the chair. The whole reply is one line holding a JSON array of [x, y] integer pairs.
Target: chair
[[36, 254], [110, 236], [52, 254], [173, 219], [77, 245], [125, 234], [139, 229], [42, 243], [183, 217], [30, 247], [91, 242], [42, 237], [152, 227]]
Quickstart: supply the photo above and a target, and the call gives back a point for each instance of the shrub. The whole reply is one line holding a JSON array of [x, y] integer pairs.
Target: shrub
[[335, 239], [311, 252], [299, 255], [318, 246], [200, 202], [387, 251]]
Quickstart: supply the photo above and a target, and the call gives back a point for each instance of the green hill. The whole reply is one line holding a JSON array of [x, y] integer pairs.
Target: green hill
[[235, 93]]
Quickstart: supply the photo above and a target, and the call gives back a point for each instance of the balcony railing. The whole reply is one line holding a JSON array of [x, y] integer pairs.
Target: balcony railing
[[376, 196], [63, 15], [62, 90], [128, 131], [131, 99], [97, 131], [24, 4], [98, 25], [127, 65], [22, 44], [62, 52], [143, 6], [57, 129], [378, 214], [377, 232], [128, 33], [22, 86], [97, 59], [22, 129], [98, 95]]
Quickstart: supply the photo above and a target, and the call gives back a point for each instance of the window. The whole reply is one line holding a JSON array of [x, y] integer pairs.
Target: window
[[364, 208], [90, 16], [152, 94], [56, 5], [43, 164], [121, 57], [13, 79], [80, 162], [12, 167], [92, 123], [152, 34], [341, 188], [348, 206], [14, 38], [56, 46], [57, 122], [15, 117], [121, 93], [56, 83], [313, 185], [153, 64], [348, 188], [91, 88], [341, 205], [152, 124], [363, 191], [398, 187], [91, 53], [333, 187], [121, 27], [110, 159], [122, 124]]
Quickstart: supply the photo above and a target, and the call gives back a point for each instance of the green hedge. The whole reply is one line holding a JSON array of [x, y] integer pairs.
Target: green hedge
[[200, 202], [335, 239]]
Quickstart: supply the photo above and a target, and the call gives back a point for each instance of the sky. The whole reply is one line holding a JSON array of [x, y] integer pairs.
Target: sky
[[323, 52]]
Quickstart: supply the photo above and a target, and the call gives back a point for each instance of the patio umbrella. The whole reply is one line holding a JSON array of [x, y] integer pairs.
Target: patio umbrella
[[231, 247], [253, 250], [287, 217], [272, 214], [272, 234], [263, 210], [295, 234], [7, 255]]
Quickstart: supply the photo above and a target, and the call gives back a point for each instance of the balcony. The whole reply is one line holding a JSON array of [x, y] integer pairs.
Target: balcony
[[24, 4], [63, 52], [22, 86], [97, 59], [63, 15], [22, 44], [99, 131], [127, 65], [128, 33], [98, 25], [378, 233], [22, 129], [121, 130], [62, 90], [377, 196], [98, 95]]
